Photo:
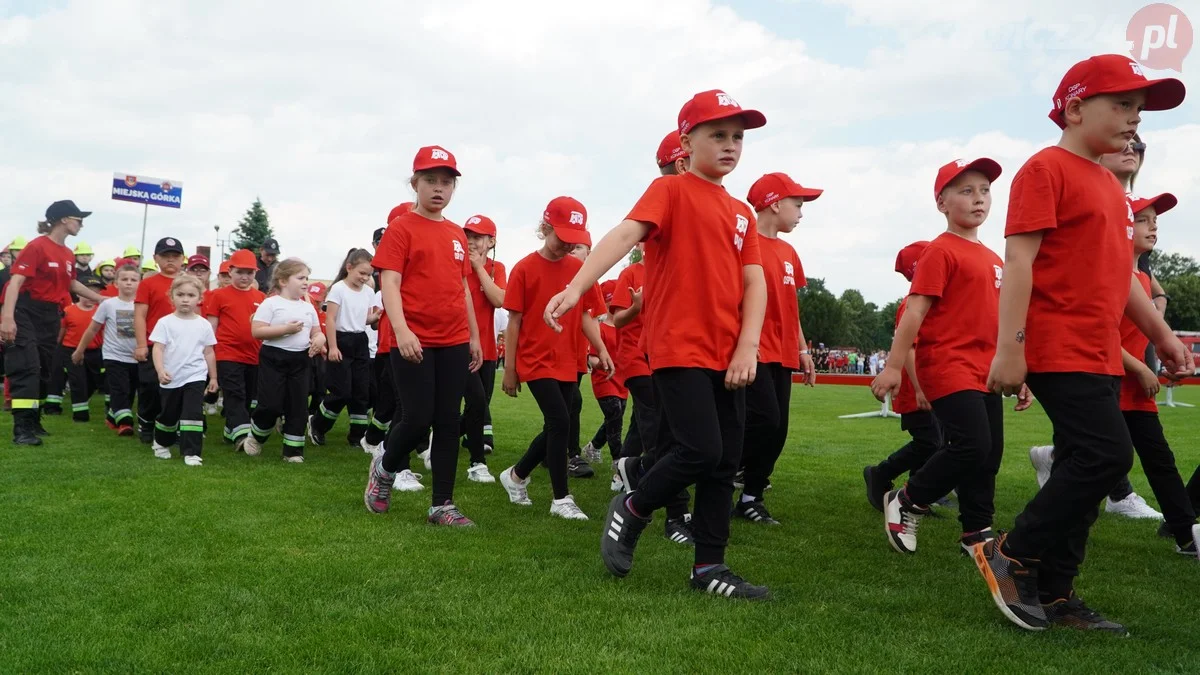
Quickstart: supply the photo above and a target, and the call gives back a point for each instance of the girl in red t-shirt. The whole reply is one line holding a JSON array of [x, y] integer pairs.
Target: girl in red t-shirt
[[547, 359], [953, 309], [229, 310], [487, 282], [424, 268]]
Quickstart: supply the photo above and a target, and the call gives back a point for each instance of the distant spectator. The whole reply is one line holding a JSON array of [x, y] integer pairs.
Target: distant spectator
[[267, 257]]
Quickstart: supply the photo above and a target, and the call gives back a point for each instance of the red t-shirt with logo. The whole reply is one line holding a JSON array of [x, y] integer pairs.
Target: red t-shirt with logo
[[542, 353], [48, 268], [1081, 272], [75, 323], [958, 335], [585, 347], [234, 310], [431, 257], [906, 399], [602, 386], [1134, 342], [630, 358], [155, 293], [780, 340], [485, 312], [699, 240]]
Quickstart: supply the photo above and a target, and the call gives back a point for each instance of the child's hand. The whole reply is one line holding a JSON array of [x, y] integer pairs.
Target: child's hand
[[476, 351], [335, 355], [140, 354], [409, 346], [887, 382], [374, 314], [77, 357], [605, 362], [1148, 381], [636, 299], [559, 305], [294, 327], [317, 346], [212, 385], [1024, 399], [922, 402], [1007, 373], [742, 369], [511, 385], [164, 378]]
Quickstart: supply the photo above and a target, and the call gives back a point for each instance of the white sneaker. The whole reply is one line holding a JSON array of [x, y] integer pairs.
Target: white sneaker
[[567, 508], [192, 460], [425, 457], [367, 447], [294, 459], [517, 492], [1042, 458], [1132, 506], [591, 453], [251, 446], [480, 474], [160, 452], [617, 484], [407, 481], [210, 408]]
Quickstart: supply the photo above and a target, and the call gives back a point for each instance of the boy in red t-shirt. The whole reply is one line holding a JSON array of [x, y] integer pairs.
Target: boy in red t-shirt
[[700, 245], [609, 393], [85, 377], [152, 303], [951, 309], [229, 310], [1068, 282]]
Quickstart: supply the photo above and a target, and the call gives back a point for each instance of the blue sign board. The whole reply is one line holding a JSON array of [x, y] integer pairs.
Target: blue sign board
[[146, 190]]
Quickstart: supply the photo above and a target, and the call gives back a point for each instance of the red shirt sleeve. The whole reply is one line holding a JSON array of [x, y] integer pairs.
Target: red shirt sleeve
[[751, 253], [29, 260], [393, 250], [212, 304], [514, 296], [801, 280], [932, 273], [1032, 202], [143, 295], [498, 275], [654, 208]]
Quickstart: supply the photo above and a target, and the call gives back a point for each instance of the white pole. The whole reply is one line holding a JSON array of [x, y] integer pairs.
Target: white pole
[[885, 410], [145, 214]]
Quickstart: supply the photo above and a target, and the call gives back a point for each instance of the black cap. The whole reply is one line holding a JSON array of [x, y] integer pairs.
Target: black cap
[[269, 245], [168, 245], [64, 209], [378, 237]]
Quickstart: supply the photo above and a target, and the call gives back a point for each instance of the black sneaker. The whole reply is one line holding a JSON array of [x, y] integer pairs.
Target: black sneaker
[[967, 541], [721, 581], [739, 479], [620, 536], [1012, 583], [679, 530], [1192, 548], [877, 487], [755, 512], [1164, 530], [578, 468], [315, 436], [1073, 613], [51, 409]]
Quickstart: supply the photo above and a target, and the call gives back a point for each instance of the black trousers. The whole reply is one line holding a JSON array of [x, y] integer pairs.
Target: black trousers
[[477, 414], [60, 362], [349, 385], [122, 381], [149, 403], [239, 385], [28, 360], [613, 408], [707, 425], [487, 372], [1193, 490], [85, 380], [645, 439], [576, 409], [554, 398], [1158, 462], [385, 412], [1092, 451], [283, 379], [316, 384], [973, 424], [430, 394], [926, 434], [181, 418], [768, 407]]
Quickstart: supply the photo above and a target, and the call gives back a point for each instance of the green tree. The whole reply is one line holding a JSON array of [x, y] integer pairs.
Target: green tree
[[635, 256], [253, 229], [1169, 266], [821, 315], [1183, 311], [885, 324]]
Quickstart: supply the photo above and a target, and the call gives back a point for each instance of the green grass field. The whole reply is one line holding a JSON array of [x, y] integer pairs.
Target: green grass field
[[111, 560]]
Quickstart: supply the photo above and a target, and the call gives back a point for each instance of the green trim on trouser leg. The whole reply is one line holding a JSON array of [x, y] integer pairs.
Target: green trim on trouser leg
[[261, 435], [165, 429], [52, 399], [331, 416], [382, 426], [125, 414], [79, 407], [362, 420], [196, 426]]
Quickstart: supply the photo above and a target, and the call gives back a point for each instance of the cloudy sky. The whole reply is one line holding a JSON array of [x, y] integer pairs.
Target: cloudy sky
[[318, 108]]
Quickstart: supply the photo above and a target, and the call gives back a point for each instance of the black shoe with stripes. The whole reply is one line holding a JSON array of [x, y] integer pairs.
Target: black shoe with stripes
[[679, 530], [755, 512], [620, 536], [721, 581]]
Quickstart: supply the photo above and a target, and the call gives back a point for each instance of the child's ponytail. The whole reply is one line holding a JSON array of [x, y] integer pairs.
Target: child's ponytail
[[354, 258]]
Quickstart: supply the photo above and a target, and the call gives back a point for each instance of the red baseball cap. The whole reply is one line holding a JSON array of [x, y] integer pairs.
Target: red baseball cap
[[945, 175], [569, 219], [399, 210], [1162, 203], [198, 261], [1113, 74], [607, 289], [906, 259], [775, 186], [225, 267], [670, 149], [316, 289], [715, 104], [480, 225], [435, 157], [243, 259]]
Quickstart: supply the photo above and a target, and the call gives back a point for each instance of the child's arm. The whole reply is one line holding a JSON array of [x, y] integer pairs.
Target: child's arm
[[214, 321], [807, 367], [210, 358], [472, 324], [85, 292], [88, 336], [331, 314], [62, 332], [1175, 357], [910, 367], [1136, 368], [406, 341], [316, 340], [511, 384], [1157, 295], [1008, 366], [611, 250], [624, 317], [591, 330], [163, 376], [139, 331], [744, 366], [888, 382], [261, 330], [491, 290]]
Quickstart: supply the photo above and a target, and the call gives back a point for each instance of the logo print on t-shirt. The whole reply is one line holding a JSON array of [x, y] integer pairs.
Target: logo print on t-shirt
[[458, 251], [999, 274], [789, 274], [742, 225], [437, 153]]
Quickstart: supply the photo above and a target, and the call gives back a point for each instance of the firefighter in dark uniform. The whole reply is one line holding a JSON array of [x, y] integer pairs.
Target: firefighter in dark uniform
[[43, 279], [268, 255]]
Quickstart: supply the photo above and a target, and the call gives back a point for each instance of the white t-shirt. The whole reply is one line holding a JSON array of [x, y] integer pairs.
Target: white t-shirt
[[278, 310], [372, 333], [116, 315], [184, 341], [352, 306]]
